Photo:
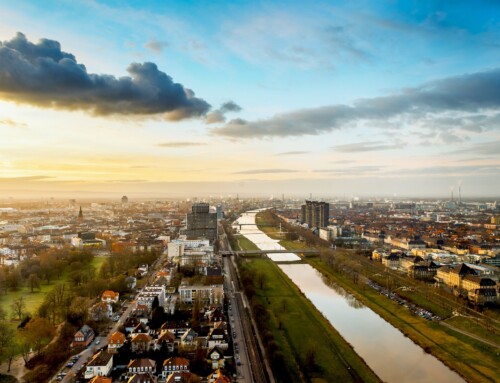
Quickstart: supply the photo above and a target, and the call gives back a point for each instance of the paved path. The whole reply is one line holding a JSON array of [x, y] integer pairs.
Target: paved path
[[474, 336], [17, 368], [485, 341]]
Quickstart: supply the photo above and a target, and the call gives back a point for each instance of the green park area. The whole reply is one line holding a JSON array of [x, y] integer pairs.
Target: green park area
[[33, 299]]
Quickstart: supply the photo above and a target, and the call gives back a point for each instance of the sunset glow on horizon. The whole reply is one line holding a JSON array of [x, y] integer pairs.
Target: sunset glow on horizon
[[166, 98]]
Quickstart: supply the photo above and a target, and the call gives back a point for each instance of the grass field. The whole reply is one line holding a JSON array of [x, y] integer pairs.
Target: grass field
[[34, 299], [31, 299], [245, 244], [466, 324], [97, 263]]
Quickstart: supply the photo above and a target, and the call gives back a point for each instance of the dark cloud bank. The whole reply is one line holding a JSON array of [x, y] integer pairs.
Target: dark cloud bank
[[476, 93], [42, 74]]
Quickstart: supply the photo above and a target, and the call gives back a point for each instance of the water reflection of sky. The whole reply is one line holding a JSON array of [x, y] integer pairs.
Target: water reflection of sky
[[263, 241], [392, 356]]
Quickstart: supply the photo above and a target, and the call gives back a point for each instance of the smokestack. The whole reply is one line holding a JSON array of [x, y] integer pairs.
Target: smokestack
[[460, 194]]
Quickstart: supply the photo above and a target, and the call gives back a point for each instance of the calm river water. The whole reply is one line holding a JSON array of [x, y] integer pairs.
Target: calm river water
[[393, 357]]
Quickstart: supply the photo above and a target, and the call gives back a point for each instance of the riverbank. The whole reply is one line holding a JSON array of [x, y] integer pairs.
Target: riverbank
[[312, 349], [475, 361]]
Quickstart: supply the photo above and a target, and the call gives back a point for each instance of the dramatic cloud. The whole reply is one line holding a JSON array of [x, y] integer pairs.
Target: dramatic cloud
[[366, 147], [156, 46], [180, 144], [43, 75], [471, 94], [219, 115], [266, 171]]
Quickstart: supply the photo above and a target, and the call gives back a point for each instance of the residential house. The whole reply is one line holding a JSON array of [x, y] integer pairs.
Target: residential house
[[174, 364], [141, 342], [189, 338], [218, 377], [218, 337], [216, 357], [141, 365], [215, 314], [180, 377], [100, 379], [83, 337], [100, 365], [166, 340], [116, 341], [110, 297], [101, 311], [141, 328], [130, 324], [176, 327], [142, 312], [144, 377]]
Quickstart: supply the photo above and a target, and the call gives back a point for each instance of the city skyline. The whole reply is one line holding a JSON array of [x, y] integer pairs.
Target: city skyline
[[212, 98]]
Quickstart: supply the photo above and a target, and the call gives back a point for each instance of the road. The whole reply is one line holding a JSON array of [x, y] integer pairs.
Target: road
[[87, 354]]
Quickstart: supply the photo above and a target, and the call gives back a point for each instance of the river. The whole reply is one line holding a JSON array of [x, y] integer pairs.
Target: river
[[391, 355]]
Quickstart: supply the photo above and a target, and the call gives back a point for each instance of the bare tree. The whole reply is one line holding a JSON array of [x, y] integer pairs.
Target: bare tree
[[18, 307]]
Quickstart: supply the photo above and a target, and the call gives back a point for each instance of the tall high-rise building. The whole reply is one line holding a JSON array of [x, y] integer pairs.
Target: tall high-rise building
[[124, 199], [315, 214], [201, 222], [219, 211]]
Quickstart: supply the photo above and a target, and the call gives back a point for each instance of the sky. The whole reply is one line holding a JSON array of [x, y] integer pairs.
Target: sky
[[212, 98]]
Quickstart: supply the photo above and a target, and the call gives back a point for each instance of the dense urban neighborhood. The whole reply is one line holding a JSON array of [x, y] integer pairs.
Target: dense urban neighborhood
[[168, 291]]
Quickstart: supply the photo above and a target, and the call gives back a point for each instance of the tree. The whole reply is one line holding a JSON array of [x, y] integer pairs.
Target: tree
[[18, 307], [38, 332], [3, 314], [48, 266], [7, 335], [78, 310], [34, 282], [14, 279]]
